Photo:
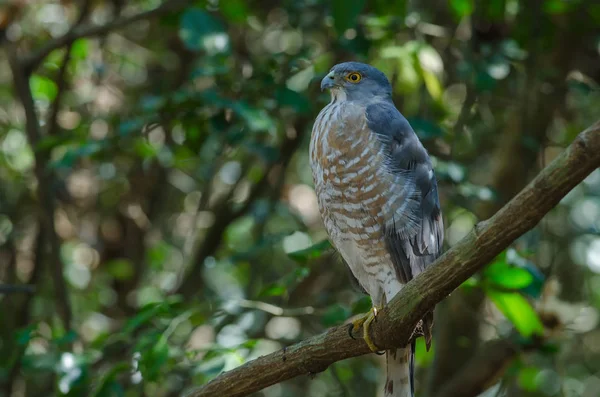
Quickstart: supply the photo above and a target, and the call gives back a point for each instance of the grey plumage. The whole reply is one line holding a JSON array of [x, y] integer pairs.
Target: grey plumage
[[409, 237], [377, 194]]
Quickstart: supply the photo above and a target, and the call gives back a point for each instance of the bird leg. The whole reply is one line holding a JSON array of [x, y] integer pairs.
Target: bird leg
[[365, 322]]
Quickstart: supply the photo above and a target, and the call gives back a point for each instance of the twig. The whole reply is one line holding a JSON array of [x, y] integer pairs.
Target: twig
[[463, 117], [45, 196], [15, 289], [276, 310], [22, 316], [396, 322], [31, 61], [61, 80]]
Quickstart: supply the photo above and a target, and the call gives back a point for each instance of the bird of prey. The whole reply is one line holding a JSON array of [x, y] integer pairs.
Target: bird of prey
[[377, 195]]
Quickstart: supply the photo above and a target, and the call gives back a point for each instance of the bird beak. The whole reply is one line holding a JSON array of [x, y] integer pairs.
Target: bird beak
[[328, 81]]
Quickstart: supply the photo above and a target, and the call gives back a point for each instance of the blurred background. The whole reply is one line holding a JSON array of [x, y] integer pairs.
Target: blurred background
[[158, 223]]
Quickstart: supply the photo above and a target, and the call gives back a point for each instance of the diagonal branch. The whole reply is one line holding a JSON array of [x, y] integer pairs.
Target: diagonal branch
[[398, 319], [31, 61]]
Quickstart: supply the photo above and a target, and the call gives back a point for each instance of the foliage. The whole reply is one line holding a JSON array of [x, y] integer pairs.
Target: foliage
[[169, 185]]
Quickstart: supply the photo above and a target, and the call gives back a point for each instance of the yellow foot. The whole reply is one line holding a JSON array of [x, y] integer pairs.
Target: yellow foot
[[365, 322]]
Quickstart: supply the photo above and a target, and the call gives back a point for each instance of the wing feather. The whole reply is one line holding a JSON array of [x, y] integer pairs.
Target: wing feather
[[414, 232]]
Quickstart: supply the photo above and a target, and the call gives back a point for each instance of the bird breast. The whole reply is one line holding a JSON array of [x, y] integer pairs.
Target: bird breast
[[348, 168]]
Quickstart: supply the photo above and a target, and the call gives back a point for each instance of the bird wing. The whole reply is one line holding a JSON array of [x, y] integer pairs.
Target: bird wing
[[413, 228]]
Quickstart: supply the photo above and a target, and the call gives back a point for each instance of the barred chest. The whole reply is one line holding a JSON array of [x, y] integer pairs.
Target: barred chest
[[346, 164]]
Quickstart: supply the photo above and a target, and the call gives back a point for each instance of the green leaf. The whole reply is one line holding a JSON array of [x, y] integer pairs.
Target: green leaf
[[44, 362], [397, 8], [503, 275], [345, 14], [312, 252], [518, 311], [424, 358], [335, 314], [550, 348], [301, 273], [72, 155], [145, 315], [197, 319], [48, 143], [425, 129], [144, 149], [211, 66], [527, 378], [268, 154], [79, 50], [67, 338], [23, 336], [158, 254], [293, 99], [152, 103], [470, 283], [234, 11], [130, 126], [433, 85], [484, 82], [108, 386], [273, 290], [211, 368], [362, 305], [43, 88], [535, 288], [256, 119], [462, 8], [200, 31], [120, 269], [495, 9], [557, 6], [156, 358]]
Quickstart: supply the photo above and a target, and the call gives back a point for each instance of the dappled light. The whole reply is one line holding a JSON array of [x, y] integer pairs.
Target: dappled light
[[159, 223]]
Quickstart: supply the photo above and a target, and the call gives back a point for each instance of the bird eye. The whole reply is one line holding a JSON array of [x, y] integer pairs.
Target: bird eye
[[353, 77]]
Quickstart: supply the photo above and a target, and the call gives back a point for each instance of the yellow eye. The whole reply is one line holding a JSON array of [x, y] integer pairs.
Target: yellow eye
[[353, 77]]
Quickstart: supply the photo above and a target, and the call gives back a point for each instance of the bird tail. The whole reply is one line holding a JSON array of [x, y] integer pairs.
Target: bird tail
[[400, 365]]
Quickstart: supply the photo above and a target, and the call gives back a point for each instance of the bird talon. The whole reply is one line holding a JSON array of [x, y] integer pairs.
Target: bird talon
[[365, 323], [350, 330]]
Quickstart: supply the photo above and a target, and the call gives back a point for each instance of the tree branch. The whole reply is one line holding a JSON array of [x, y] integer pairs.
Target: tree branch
[[44, 188], [31, 61], [396, 322], [16, 289], [61, 78]]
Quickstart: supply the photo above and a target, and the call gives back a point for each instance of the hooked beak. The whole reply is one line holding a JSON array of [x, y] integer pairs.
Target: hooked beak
[[328, 81]]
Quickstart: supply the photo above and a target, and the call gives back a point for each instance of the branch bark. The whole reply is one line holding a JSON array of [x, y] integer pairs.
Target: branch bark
[[396, 322]]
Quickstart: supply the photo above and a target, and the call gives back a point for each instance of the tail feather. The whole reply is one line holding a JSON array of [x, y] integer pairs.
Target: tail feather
[[400, 372]]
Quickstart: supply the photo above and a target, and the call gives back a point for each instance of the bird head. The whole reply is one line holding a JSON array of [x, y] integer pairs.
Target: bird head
[[356, 81]]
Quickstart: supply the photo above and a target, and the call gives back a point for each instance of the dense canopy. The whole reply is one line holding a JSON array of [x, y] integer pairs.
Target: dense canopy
[[158, 221]]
